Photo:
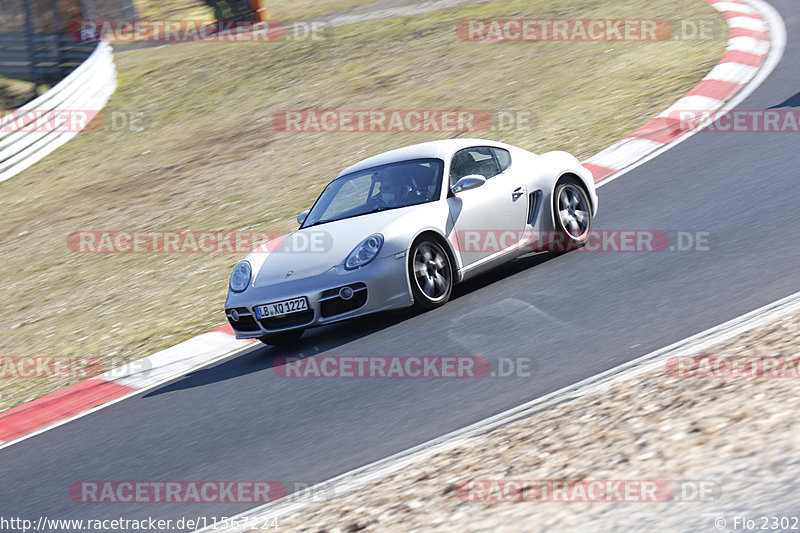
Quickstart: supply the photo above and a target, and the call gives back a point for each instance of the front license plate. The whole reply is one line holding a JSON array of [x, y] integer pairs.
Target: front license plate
[[286, 307]]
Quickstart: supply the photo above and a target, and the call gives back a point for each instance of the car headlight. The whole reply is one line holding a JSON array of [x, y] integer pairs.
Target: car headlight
[[241, 276], [365, 252]]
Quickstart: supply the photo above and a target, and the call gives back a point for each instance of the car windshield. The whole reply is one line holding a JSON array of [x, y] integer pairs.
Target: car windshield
[[379, 188]]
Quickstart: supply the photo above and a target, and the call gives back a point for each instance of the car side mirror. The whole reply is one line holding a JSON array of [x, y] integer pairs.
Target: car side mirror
[[473, 181], [302, 217]]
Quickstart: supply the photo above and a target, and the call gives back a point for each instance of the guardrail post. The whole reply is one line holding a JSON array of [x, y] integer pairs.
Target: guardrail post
[[260, 8], [59, 25], [34, 74]]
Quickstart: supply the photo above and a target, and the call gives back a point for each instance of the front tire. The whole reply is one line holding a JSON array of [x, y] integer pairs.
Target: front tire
[[431, 273], [282, 338], [572, 212]]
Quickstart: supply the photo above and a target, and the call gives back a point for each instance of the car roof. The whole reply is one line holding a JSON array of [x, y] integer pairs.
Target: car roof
[[442, 149]]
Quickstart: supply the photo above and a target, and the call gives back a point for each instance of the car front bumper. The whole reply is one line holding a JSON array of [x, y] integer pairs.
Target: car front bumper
[[379, 286]]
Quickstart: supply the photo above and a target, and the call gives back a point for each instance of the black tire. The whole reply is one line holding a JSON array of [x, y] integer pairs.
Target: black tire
[[282, 338], [431, 274], [572, 232]]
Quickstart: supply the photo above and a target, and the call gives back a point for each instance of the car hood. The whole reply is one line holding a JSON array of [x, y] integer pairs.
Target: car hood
[[312, 251]]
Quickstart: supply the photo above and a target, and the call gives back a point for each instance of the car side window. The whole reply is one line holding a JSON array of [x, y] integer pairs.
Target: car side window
[[503, 158], [474, 160]]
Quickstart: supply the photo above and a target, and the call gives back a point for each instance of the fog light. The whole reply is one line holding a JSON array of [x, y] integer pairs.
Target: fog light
[[345, 293]]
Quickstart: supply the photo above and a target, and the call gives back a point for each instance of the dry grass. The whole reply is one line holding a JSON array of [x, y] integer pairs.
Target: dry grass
[[209, 157], [173, 10], [14, 93], [282, 10]]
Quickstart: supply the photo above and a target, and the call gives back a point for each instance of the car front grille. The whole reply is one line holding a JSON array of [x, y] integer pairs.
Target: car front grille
[[246, 322], [331, 304]]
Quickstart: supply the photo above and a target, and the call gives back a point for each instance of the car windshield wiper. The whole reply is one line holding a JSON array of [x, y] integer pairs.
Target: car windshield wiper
[[374, 210], [384, 208], [317, 223]]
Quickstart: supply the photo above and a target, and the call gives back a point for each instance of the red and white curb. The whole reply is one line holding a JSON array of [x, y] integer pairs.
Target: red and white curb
[[748, 48], [117, 384], [754, 48]]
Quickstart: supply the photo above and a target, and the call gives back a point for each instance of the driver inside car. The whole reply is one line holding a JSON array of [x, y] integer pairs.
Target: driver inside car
[[394, 188]]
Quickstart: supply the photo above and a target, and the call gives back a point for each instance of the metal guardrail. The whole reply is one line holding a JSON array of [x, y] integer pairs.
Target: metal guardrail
[[85, 89]]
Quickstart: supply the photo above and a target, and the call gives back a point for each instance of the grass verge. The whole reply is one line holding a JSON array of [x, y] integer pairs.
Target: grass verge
[[173, 10], [14, 93]]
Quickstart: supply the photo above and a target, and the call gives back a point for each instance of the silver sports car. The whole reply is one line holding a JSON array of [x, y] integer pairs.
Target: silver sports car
[[401, 228]]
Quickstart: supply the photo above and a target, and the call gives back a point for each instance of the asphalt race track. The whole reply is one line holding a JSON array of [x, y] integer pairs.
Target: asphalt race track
[[575, 315]]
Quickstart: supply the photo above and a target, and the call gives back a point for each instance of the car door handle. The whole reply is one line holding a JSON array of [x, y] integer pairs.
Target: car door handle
[[519, 191]]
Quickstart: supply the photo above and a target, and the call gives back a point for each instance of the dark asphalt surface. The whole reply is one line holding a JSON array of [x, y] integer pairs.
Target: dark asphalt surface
[[575, 315]]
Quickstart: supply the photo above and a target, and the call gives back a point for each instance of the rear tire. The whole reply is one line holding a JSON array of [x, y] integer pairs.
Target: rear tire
[[282, 338], [572, 213], [431, 274]]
